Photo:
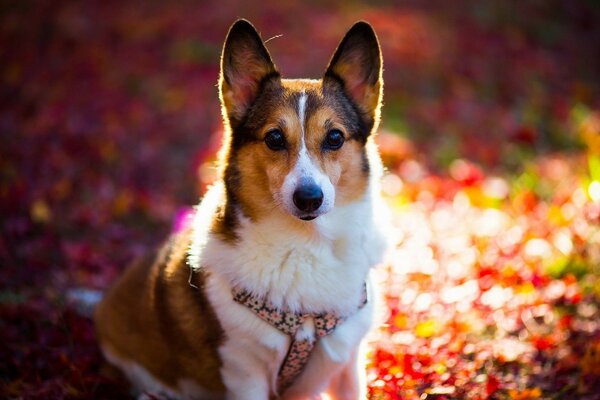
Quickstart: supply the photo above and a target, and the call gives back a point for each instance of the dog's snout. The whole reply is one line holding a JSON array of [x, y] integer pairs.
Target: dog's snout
[[308, 197]]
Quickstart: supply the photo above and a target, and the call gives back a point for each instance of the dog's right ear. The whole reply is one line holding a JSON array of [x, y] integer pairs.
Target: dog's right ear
[[245, 66]]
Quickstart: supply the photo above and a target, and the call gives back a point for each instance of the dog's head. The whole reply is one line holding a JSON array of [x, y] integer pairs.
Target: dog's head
[[298, 146]]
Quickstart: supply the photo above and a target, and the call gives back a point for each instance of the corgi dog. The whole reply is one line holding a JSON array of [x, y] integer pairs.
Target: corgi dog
[[267, 293]]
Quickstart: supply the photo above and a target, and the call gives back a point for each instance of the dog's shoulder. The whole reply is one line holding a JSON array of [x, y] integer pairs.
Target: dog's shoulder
[[157, 316]]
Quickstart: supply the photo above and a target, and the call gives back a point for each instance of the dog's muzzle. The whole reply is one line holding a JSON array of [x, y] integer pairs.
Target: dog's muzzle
[[308, 197]]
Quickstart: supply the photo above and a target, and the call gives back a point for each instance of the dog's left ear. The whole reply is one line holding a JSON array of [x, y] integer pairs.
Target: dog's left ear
[[357, 65], [245, 66]]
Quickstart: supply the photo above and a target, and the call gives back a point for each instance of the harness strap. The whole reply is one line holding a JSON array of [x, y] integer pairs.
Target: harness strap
[[289, 323]]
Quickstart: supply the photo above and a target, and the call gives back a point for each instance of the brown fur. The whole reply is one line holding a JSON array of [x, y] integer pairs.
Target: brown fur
[[255, 99], [154, 317], [265, 170], [157, 314]]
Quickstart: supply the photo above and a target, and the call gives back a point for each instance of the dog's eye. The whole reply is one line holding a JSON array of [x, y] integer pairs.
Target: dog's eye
[[334, 140], [275, 140]]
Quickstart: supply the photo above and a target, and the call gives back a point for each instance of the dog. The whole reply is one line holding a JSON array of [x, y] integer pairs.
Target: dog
[[267, 293]]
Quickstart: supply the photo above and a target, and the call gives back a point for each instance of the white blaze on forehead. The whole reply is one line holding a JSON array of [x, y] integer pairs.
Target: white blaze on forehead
[[306, 170], [302, 113], [304, 163]]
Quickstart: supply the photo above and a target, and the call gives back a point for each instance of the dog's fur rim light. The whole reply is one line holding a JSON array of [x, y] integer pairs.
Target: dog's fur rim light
[[191, 340]]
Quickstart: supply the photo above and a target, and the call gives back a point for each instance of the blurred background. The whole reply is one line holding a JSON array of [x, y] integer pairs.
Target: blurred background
[[109, 121]]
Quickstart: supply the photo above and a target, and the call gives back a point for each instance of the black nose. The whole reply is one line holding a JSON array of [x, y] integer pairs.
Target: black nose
[[308, 197]]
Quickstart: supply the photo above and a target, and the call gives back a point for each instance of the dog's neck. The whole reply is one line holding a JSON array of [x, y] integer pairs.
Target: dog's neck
[[294, 270]]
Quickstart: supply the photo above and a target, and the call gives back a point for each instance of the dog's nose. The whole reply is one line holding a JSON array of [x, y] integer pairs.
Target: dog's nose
[[308, 197]]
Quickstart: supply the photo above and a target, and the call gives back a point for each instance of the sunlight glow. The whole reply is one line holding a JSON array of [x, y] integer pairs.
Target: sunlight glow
[[496, 188], [392, 184], [456, 269], [491, 223], [461, 202], [510, 349], [423, 302], [555, 290], [594, 191], [538, 248], [468, 291], [563, 242], [488, 168], [496, 297]]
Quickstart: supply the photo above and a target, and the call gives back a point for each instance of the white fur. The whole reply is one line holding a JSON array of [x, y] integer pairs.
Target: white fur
[[305, 169], [321, 271], [311, 273], [307, 330], [308, 273], [150, 388], [302, 112]]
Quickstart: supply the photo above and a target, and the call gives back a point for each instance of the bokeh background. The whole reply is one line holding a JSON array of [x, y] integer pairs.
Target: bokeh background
[[109, 122]]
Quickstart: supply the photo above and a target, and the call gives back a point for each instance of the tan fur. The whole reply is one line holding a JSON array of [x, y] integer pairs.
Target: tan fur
[[265, 170], [343, 166], [157, 315]]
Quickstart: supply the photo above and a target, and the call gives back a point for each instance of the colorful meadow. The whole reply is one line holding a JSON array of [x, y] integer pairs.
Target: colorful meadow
[[493, 289], [109, 122]]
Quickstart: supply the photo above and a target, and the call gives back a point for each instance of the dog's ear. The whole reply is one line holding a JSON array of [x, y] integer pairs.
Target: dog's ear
[[245, 66], [357, 65]]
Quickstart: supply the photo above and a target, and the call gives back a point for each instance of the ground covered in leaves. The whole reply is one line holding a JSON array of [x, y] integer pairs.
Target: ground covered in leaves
[[109, 121]]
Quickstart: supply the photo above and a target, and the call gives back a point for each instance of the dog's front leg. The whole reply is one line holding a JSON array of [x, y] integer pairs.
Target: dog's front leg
[[339, 379], [350, 382], [336, 366], [242, 373], [315, 378]]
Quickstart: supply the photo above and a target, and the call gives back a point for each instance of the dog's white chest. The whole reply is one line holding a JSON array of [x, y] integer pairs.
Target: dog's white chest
[[303, 329], [324, 273]]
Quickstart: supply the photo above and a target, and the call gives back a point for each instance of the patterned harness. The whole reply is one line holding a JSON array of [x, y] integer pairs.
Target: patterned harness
[[289, 323]]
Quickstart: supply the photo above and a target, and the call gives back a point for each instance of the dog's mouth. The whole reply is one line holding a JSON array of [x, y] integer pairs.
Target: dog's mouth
[[308, 217]]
